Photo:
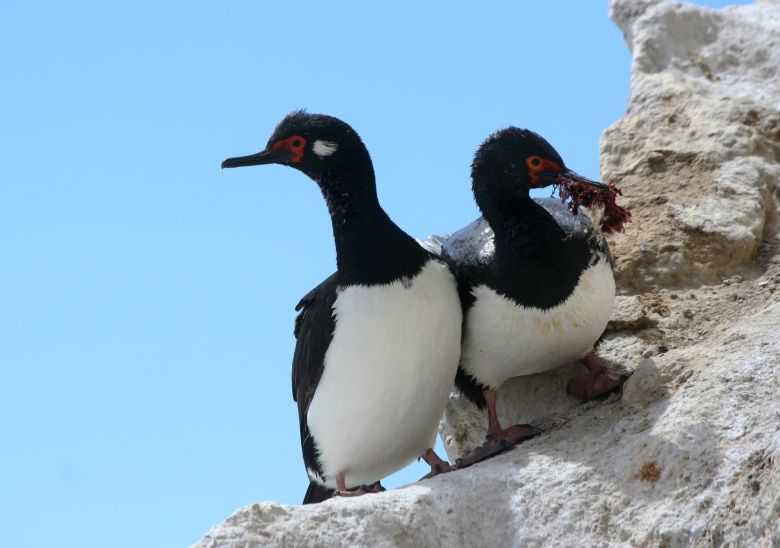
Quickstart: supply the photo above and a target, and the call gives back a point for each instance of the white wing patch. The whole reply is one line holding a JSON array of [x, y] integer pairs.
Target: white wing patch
[[324, 148]]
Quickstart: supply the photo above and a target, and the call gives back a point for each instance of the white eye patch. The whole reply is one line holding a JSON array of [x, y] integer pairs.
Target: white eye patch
[[324, 148]]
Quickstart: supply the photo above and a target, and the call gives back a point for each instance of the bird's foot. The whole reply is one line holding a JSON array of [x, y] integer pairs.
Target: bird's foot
[[588, 387], [498, 443], [361, 490], [438, 466], [353, 493]]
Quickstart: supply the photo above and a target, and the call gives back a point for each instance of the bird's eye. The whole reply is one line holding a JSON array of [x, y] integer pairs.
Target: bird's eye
[[534, 161], [294, 144]]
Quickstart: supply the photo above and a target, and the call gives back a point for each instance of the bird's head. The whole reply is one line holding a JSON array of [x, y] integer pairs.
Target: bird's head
[[513, 161], [316, 144]]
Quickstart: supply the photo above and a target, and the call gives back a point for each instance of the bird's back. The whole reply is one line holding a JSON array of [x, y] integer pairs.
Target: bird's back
[[473, 245]]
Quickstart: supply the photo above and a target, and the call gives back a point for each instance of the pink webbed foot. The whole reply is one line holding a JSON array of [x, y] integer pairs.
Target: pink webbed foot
[[498, 443], [353, 493], [438, 466], [498, 439], [601, 380], [342, 490], [519, 433]]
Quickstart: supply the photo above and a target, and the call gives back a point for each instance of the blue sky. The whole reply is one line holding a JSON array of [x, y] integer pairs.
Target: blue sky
[[146, 297]]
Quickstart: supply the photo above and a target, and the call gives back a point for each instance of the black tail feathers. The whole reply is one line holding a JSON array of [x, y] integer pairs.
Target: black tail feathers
[[317, 493]]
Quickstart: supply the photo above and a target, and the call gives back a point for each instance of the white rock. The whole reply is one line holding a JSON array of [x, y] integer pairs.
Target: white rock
[[738, 208], [628, 314]]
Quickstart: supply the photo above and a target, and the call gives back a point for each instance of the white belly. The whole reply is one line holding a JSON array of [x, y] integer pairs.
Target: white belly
[[388, 373], [503, 340]]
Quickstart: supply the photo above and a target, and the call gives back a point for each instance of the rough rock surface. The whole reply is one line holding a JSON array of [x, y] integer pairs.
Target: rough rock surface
[[689, 454], [697, 151]]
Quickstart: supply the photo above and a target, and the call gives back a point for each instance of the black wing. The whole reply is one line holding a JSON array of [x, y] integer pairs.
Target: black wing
[[469, 253], [313, 330], [472, 245]]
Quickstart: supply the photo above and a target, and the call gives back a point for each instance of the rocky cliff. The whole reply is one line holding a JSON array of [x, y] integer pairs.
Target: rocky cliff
[[689, 454]]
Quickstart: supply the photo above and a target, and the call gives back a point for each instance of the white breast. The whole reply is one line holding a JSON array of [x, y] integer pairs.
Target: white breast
[[388, 372], [504, 340]]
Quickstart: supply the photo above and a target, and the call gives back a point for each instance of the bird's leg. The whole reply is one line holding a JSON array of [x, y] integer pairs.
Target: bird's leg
[[498, 439], [342, 491], [512, 435], [600, 381], [438, 466]]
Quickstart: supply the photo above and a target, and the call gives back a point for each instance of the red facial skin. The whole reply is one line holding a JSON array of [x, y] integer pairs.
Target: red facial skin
[[296, 145], [537, 164]]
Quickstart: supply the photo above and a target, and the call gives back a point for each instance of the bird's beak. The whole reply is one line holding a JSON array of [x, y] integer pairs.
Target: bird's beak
[[570, 175], [263, 157]]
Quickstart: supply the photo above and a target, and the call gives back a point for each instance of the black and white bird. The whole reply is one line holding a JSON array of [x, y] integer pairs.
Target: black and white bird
[[535, 281], [378, 342]]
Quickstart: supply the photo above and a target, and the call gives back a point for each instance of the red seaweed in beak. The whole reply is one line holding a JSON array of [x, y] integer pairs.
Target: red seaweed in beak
[[587, 193]]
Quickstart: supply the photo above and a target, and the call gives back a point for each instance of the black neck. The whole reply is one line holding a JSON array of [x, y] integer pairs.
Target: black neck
[[520, 227], [535, 263], [370, 248]]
